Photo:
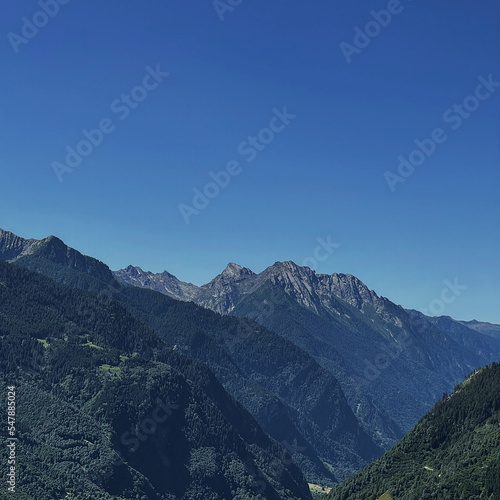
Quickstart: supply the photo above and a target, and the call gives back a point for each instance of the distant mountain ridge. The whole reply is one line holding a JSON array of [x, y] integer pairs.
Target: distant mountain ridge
[[223, 292], [489, 329], [163, 282], [392, 364], [309, 289]]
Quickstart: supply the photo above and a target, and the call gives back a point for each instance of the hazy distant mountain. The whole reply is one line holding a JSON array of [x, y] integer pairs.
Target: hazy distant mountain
[[163, 282], [392, 364], [482, 327], [220, 295], [294, 399], [452, 453], [478, 337]]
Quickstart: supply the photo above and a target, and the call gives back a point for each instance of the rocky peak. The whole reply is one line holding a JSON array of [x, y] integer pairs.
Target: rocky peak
[[232, 275], [13, 246], [298, 282], [132, 271], [162, 282], [349, 288], [235, 271], [313, 291]]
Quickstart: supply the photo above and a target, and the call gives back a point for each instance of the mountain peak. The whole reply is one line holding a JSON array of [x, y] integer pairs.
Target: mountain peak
[[291, 271], [298, 282], [289, 266], [233, 270], [286, 264], [350, 289], [53, 240], [13, 246], [164, 282], [134, 271], [232, 266]]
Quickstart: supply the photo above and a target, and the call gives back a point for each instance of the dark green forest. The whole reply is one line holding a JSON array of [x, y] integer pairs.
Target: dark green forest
[[107, 410], [453, 453]]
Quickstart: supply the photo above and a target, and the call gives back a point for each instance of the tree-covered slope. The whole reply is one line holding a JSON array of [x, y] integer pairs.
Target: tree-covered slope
[[293, 398], [453, 453], [106, 410]]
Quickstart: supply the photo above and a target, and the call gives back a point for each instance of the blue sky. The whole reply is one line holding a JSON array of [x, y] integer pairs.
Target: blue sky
[[321, 174]]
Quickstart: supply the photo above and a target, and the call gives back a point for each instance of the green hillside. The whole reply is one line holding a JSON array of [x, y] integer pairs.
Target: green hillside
[[295, 400], [453, 453], [105, 410]]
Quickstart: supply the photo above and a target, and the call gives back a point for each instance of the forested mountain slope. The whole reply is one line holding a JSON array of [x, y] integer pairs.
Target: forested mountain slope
[[107, 410], [453, 453], [293, 398]]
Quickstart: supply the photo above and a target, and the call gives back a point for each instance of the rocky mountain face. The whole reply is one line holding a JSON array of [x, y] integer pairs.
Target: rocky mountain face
[[310, 290], [163, 282], [220, 295], [13, 247], [392, 365]]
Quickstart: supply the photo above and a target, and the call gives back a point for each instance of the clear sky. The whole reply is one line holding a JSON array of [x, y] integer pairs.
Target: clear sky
[[307, 112]]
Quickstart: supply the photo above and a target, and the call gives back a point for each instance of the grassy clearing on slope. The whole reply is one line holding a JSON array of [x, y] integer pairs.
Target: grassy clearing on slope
[[317, 490], [385, 496], [91, 344]]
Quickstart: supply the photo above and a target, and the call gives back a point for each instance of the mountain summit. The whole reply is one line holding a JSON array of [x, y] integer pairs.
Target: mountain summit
[[164, 282], [301, 283]]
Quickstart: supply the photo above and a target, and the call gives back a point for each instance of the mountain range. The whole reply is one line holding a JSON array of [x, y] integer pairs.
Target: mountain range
[[327, 371], [392, 363], [296, 401]]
